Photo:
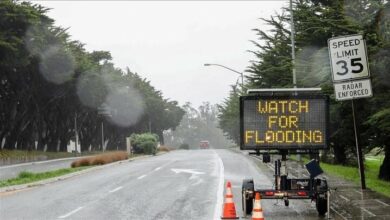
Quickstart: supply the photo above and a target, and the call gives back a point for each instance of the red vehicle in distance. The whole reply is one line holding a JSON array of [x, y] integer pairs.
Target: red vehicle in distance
[[204, 145]]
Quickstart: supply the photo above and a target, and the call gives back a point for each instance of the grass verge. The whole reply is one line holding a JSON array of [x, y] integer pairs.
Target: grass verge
[[8, 157], [371, 165], [29, 177]]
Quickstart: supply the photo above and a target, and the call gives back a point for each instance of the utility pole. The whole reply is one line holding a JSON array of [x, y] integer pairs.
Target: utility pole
[[293, 46], [294, 74]]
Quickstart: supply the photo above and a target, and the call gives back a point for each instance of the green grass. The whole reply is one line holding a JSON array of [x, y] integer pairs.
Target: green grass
[[29, 177], [372, 164]]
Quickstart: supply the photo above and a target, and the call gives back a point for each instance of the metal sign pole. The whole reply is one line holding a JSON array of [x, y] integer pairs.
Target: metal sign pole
[[358, 150]]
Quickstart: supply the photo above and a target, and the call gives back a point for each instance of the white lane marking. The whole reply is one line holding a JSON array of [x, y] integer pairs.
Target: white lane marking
[[156, 169], [191, 171], [71, 213], [197, 182], [141, 177], [116, 189], [368, 212], [383, 203], [338, 213], [193, 176], [345, 198], [218, 205]]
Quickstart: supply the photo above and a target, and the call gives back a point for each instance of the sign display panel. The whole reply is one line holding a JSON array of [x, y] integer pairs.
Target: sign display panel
[[283, 122]]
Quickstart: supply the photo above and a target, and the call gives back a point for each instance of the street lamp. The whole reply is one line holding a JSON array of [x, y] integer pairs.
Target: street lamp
[[242, 74]]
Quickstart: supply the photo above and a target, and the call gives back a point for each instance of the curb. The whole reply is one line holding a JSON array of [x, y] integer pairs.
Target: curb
[[67, 176]]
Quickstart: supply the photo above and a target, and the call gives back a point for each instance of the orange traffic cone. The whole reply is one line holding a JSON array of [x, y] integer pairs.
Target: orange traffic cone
[[257, 213], [229, 209]]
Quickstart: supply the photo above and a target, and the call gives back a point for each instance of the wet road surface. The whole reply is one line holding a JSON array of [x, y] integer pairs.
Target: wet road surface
[[178, 185]]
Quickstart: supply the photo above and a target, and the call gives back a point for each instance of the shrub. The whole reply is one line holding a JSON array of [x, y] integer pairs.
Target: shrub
[[149, 147], [165, 148], [100, 159], [184, 146], [144, 143], [81, 162]]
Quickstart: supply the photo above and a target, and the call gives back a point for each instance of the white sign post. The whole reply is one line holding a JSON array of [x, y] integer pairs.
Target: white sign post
[[348, 58]]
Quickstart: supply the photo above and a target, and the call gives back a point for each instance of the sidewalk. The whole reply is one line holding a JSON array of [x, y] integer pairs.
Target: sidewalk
[[347, 200]]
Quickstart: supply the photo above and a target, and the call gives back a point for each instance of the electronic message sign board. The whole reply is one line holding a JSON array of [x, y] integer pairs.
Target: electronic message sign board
[[283, 122]]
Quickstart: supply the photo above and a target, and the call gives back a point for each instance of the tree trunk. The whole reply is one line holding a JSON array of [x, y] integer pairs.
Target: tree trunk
[[384, 170], [64, 145], [339, 154], [10, 142], [161, 137]]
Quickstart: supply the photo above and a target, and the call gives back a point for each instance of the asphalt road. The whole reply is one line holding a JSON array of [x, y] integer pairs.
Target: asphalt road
[[11, 171], [178, 185]]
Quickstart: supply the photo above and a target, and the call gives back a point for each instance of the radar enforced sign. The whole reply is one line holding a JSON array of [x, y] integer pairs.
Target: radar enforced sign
[[283, 122]]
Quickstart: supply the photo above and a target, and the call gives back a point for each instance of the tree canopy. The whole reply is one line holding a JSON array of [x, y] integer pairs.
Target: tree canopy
[[315, 22], [52, 88]]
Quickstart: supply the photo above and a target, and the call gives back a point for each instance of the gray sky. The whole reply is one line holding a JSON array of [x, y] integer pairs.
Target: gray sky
[[169, 41]]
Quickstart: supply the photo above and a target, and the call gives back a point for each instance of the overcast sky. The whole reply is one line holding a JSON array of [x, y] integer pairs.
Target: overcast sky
[[169, 41]]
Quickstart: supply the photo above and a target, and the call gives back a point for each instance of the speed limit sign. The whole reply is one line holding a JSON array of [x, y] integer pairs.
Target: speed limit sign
[[348, 56]]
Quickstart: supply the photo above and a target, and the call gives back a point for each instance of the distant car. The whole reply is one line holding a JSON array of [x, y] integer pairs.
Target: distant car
[[204, 145]]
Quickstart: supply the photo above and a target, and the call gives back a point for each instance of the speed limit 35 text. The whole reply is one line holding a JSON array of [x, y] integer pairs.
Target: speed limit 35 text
[[345, 44]]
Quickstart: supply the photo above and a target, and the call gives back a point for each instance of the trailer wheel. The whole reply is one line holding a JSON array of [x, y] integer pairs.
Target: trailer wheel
[[247, 196], [321, 205]]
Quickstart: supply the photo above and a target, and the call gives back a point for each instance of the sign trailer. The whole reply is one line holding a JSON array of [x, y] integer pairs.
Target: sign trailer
[[283, 121]]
